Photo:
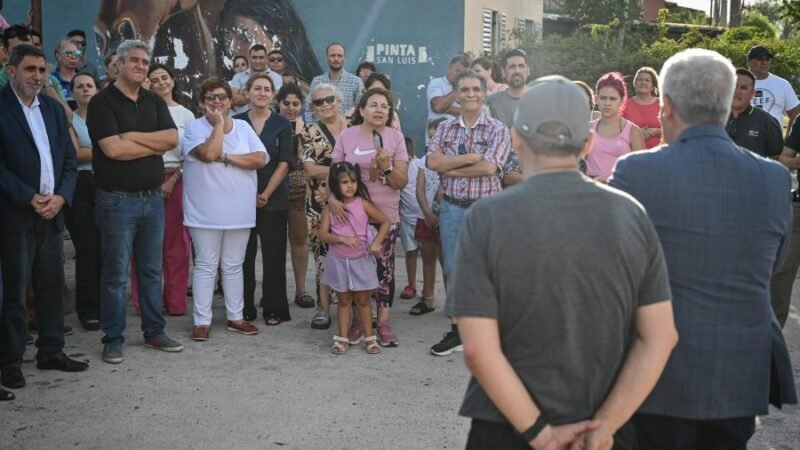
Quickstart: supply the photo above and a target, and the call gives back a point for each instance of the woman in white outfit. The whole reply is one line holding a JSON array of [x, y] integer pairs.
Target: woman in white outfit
[[221, 157]]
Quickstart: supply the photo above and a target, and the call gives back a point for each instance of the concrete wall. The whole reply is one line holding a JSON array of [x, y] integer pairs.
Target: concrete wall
[[410, 40], [514, 9]]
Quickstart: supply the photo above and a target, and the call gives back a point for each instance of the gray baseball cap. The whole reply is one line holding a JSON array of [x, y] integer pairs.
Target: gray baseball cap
[[554, 99]]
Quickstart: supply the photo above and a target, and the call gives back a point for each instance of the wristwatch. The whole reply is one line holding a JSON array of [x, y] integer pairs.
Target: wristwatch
[[388, 171]]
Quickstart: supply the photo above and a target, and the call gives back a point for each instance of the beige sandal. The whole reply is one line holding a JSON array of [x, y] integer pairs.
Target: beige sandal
[[371, 345], [340, 345]]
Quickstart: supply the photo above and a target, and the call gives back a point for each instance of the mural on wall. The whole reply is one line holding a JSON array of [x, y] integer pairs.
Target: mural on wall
[[200, 38]]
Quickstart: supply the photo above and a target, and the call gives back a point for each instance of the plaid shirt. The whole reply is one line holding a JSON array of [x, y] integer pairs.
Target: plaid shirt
[[349, 85], [488, 137]]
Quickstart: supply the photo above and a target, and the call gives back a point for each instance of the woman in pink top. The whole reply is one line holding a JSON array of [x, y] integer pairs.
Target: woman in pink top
[[643, 108], [614, 136], [380, 152]]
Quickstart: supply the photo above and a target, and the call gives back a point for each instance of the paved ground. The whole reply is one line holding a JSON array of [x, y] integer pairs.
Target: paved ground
[[279, 389]]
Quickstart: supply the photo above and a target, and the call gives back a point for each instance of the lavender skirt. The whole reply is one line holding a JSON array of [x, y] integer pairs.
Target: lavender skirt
[[346, 275]]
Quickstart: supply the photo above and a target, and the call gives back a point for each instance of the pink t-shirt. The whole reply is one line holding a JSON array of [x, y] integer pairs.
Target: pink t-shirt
[[605, 151], [643, 116], [355, 226], [355, 147]]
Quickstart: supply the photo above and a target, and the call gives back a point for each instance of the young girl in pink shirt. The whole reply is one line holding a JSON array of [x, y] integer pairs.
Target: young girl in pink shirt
[[350, 268]]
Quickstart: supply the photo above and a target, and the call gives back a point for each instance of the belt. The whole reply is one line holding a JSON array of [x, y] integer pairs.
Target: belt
[[141, 194], [465, 203]]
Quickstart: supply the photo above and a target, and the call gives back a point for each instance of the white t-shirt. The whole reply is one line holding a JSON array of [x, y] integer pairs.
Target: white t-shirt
[[409, 207], [182, 118], [431, 182], [214, 195], [775, 96], [439, 87]]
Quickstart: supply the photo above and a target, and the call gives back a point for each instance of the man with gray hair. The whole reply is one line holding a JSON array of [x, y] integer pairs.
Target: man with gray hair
[[723, 215], [561, 293], [130, 128]]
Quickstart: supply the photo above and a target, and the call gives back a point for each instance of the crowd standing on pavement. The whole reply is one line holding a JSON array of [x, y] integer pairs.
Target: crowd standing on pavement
[[654, 283]]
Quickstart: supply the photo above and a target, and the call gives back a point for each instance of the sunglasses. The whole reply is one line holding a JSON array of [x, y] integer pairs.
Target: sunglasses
[[321, 101], [276, 59], [75, 53], [79, 43], [211, 97]]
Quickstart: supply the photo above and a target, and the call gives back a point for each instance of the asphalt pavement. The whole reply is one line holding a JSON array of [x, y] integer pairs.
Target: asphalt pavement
[[280, 389]]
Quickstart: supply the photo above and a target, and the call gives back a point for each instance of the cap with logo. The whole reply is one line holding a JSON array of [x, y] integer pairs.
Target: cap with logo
[[554, 99], [758, 52]]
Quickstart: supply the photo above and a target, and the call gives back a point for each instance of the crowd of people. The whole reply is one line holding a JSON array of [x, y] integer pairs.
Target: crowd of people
[[644, 280]]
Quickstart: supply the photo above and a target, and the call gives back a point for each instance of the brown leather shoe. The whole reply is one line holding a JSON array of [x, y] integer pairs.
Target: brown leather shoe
[[243, 327], [200, 333]]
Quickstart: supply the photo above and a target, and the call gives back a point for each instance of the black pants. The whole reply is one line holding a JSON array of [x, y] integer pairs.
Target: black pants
[[86, 240], [668, 433], [486, 435], [37, 252], [271, 228]]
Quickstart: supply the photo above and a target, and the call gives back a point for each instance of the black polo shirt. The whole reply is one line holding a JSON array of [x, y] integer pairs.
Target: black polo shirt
[[111, 113], [757, 131]]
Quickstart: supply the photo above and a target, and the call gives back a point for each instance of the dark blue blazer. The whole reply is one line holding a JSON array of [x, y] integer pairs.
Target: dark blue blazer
[[723, 216], [20, 163]]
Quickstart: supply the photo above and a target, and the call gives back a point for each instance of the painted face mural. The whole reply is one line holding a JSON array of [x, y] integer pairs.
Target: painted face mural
[[200, 38]]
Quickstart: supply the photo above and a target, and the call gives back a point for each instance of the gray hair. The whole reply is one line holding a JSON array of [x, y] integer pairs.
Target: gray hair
[[63, 42], [131, 44], [325, 87], [700, 85]]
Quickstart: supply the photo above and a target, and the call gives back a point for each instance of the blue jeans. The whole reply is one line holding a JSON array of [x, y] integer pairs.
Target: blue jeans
[[38, 254], [130, 224], [450, 219]]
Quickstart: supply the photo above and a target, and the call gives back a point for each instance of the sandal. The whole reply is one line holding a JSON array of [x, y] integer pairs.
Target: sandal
[[422, 307], [371, 345], [340, 345], [6, 395], [272, 320], [321, 320], [304, 300]]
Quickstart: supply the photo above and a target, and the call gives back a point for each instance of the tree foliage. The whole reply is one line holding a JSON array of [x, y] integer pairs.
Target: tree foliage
[[601, 11], [790, 11], [594, 50]]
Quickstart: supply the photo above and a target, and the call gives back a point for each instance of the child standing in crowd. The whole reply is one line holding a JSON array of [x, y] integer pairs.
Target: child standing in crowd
[[350, 268], [409, 210], [426, 227]]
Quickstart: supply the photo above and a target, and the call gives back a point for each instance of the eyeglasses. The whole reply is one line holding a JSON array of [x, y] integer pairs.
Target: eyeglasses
[[75, 53], [211, 97], [321, 101], [278, 59], [79, 43]]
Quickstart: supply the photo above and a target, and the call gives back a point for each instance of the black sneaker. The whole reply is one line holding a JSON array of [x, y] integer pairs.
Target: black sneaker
[[451, 342]]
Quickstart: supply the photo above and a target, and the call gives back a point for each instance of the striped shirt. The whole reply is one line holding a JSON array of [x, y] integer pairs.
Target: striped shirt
[[488, 137]]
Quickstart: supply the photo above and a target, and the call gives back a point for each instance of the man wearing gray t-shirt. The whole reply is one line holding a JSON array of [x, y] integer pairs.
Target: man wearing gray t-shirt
[[561, 293]]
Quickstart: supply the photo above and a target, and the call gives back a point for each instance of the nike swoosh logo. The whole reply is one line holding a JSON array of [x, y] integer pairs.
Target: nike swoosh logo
[[360, 152]]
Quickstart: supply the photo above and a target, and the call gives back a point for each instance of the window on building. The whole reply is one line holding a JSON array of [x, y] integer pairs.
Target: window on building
[[494, 31]]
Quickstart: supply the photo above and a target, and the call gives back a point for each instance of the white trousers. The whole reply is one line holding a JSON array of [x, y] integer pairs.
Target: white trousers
[[218, 249]]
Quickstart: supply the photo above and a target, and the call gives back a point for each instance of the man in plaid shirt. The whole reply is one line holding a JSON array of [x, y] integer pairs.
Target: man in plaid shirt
[[350, 86], [469, 153]]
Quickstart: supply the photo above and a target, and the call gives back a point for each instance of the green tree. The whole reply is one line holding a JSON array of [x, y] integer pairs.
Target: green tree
[[790, 11], [757, 20]]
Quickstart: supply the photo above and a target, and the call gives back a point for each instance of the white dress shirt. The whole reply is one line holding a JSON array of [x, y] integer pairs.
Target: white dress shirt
[[33, 115]]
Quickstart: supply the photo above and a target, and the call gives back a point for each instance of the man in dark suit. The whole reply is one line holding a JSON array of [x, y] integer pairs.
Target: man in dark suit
[[723, 215], [37, 179]]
